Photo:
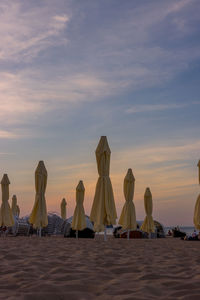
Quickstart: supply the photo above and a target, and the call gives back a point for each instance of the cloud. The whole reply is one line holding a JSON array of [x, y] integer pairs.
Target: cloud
[[179, 5], [170, 170], [26, 32], [27, 94], [158, 153], [72, 167], [141, 49], [7, 135], [15, 99], [125, 56], [157, 107], [71, 88], [62, 19]]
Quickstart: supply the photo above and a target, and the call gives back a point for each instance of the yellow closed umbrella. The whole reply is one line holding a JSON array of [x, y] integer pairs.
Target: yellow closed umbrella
[[38, 215], [78, 221], [18, 211], [148, 224], [6, 216], [63, 209], [103, 209], [14, 205], [128, 218], [196, 218]]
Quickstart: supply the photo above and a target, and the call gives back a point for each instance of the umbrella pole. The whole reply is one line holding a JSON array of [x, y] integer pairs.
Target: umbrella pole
[[128, 234], [105, 237], [76, 234]]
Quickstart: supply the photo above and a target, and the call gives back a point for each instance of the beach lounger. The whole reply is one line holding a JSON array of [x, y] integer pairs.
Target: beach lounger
[[20, 228], [55, 224]]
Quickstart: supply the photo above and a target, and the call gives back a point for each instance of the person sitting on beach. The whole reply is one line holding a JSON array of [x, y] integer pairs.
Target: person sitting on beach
[[169, 232], [194, 234], [192, 237]]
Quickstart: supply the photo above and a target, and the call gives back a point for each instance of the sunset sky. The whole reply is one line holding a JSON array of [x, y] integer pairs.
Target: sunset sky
[[71, 71]]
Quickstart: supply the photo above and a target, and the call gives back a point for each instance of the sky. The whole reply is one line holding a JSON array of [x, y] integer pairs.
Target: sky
[[72, 71]]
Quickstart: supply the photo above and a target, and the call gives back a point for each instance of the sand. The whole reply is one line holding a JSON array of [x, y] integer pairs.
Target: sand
[[59, 268]]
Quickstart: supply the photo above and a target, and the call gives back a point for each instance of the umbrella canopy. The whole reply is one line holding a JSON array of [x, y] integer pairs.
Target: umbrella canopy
[[63, 208], [38, 215], [196, 218], [148, 224], [14, 205], [128, 217], [6, 216], [78, 221], [103, 209], [18, 211]]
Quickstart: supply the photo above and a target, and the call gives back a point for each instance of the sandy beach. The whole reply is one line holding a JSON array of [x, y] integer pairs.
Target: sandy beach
[[58, 268]]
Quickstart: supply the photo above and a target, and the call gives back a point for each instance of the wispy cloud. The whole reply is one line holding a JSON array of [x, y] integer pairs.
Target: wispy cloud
[[25, 32], [158, 153], [7, 135], [6, 153], [158, 107], [25, 95]]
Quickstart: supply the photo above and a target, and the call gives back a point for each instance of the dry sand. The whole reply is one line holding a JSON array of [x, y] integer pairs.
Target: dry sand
[[59, 268]]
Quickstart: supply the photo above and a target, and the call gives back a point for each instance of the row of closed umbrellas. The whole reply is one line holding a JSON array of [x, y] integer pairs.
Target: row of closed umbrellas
[[103, 210]]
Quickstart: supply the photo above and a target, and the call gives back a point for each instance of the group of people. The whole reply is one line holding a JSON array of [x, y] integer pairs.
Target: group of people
[[193, 237], [170, 233]]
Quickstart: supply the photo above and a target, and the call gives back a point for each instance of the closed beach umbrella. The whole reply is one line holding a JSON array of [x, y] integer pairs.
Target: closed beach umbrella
[[63, 209], [196, 218], [14, 205], [6, 216], [78, 221], [18, 211], [128, 218], [148, 224], [38, 215], [103, 209]]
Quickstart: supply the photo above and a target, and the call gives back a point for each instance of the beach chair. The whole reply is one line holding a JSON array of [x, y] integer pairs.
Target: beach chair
[[58, 225], [66, 229], [23, 229], [20, 228], [55, 224], [49, 230]]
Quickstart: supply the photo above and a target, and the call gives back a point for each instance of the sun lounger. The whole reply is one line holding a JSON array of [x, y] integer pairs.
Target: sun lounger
[[20, 228], [55, 224]]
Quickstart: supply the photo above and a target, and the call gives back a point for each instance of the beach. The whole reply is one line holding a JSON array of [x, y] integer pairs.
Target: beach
[[62, 268]]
